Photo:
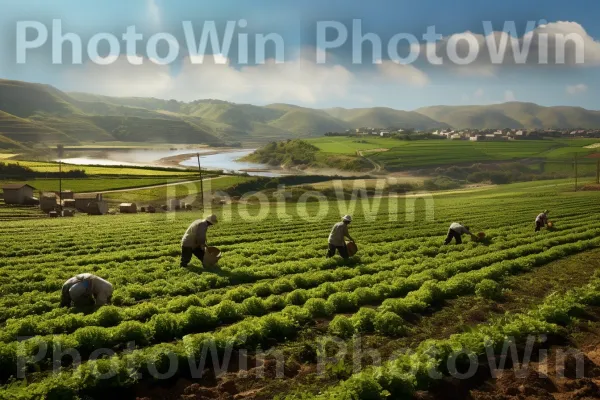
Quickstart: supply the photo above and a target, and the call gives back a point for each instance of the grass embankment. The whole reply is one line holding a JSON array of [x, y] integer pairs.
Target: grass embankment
[[301, 154]]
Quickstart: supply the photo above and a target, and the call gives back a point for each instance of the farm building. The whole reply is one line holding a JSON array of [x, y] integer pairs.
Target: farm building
[[128, 208], [99, 207], [48, 202], [17, 193], [175, 204], [69, 203], [90, 203], [66, 194]]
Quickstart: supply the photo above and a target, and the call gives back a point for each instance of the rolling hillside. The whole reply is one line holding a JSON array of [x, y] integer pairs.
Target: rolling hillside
[[513, 115], [380, 117], [34, 113]]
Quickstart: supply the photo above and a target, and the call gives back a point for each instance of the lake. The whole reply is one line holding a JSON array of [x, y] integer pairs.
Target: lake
[[225, 160]]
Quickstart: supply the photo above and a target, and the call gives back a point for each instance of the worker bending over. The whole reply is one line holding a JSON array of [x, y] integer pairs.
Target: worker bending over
[[541, 220], [456, 231], [86, 290], [194, 240], [337, 238]]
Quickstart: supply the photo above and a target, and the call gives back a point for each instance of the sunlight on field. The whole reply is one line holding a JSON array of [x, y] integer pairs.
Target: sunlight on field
[[345, 145], [92, 170], [273, 280]]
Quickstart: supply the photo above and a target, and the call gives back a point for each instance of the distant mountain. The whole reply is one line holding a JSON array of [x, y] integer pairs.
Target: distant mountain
[[34, 113], [513, 115], [381, 117]]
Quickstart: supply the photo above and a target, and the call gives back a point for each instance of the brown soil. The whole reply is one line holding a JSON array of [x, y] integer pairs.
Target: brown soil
[[570, 371], [523, 292], [591, 187]]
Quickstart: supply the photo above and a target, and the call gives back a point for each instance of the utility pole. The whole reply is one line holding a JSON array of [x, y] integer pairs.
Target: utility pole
[[60, 151], [575, 171], [201, 183]]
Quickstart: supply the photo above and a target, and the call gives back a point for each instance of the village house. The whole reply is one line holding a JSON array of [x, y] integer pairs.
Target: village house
[[90, 203], [18, 193]]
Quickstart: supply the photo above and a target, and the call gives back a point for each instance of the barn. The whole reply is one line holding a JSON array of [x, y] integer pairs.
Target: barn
[[128, 208], [17, 193]]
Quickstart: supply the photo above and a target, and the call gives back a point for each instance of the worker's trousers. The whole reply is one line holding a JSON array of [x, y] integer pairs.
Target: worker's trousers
[[342, 249], [453, 235], [538, 225], [188, 252]]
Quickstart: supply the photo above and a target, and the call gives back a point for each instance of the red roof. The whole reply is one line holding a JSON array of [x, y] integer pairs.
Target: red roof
[[595, 155]]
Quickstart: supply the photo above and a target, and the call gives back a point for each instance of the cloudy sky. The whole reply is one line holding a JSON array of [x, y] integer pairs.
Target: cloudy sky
[[301, 66]]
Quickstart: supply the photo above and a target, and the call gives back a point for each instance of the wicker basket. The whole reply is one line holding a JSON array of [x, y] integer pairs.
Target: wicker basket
[[212, 255], [352, 248]]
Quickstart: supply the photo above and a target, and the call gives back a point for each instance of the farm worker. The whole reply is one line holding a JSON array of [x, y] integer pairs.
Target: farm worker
[[456, 231], [336, 238], [194, 240], [86, 289], [541, 220]]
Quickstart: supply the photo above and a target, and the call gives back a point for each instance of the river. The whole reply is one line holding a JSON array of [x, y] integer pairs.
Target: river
[[217, 160]]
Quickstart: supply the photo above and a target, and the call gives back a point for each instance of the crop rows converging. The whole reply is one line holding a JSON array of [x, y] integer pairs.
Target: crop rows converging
[[273, 279]]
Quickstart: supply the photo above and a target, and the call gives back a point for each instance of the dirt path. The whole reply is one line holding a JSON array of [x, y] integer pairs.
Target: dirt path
[[376, 167]]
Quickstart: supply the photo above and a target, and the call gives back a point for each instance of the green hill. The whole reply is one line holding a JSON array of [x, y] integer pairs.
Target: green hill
[[24, 131], [36, 113], [381, 117], [309, 123], [23, 99], [135, 129], [513, 115]]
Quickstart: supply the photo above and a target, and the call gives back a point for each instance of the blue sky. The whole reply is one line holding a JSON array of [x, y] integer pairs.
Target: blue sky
[[300, 80]]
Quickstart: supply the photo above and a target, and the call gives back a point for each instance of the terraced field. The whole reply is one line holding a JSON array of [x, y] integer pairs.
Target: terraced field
[[275, 289]]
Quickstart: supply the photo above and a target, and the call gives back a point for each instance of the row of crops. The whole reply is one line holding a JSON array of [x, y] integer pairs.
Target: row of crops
[[271, 285]]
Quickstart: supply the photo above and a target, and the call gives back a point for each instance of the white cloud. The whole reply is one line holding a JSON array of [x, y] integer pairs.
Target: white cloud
[[509, 95], [568, 43], [153, 11], [576, 89], [299, 81], [402, 73], [120, 78]]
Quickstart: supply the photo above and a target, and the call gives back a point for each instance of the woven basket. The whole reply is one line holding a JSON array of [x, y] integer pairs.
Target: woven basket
[[212, 255], [352, 248]]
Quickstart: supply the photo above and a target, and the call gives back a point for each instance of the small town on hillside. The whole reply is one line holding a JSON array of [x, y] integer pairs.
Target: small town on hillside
[[476, 134]]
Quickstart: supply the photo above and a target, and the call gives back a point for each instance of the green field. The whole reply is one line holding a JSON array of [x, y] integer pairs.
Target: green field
[[275, 289], [347, 145], [97, 184], [395, 155], [160, 195], [41, 166]]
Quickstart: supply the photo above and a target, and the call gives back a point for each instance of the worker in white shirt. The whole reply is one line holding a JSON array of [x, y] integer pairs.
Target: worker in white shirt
[[337, 237], [86, 290], [194, 240], [541, 220], [456, 231]]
